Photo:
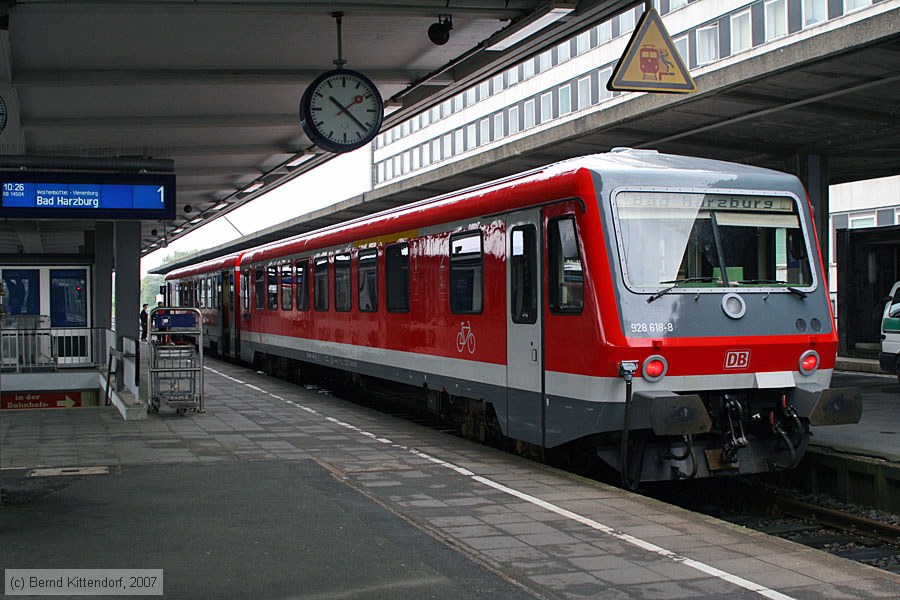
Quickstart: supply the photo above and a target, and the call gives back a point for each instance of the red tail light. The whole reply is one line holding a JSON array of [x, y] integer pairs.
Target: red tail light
[[655, 368], [809, 362]]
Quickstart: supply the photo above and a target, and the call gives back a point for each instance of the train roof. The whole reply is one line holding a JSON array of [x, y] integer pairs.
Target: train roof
[[568, 178]]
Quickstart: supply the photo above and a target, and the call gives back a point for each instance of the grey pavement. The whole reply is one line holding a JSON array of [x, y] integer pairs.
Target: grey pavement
[[283, 492]]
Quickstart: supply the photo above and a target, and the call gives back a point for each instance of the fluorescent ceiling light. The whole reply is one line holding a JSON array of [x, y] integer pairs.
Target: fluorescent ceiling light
[[197, 220], [179, 230], [220, 206], [252, 187], [299, 160], [530, 25]]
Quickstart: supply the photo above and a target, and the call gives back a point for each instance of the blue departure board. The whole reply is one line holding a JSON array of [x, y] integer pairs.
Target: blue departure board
[[89, 196]]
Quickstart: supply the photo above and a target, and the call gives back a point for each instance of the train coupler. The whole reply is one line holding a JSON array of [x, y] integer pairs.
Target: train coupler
[[735, 438]]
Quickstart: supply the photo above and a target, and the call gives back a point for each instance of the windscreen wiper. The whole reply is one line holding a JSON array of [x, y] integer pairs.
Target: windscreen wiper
[[788, 287], [678, 283]]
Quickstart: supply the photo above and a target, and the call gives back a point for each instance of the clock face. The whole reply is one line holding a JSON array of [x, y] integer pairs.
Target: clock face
[[341, 110]]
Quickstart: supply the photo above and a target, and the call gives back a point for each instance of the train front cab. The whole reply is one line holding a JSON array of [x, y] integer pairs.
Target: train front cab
[[722, 342]]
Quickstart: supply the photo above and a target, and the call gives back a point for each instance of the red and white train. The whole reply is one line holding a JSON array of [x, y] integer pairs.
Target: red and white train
[[670, 313]]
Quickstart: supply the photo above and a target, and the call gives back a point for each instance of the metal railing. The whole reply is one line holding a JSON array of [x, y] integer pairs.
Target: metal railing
[[51, 349]]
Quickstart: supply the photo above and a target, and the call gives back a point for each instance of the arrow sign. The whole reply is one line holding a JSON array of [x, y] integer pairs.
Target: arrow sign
[[68, 402], [651, 62]]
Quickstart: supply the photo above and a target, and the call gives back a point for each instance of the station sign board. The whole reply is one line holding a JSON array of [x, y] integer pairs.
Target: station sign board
[[92, 196], [40, 400]]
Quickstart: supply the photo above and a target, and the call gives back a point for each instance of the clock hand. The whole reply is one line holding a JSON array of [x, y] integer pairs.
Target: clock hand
[[349, 114], [356, 100]]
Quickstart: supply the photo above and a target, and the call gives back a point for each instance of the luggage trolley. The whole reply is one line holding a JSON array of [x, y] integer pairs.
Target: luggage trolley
[[175, 337]]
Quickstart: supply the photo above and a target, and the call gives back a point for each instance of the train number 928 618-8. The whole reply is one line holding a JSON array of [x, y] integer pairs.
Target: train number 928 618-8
[[652, 327]]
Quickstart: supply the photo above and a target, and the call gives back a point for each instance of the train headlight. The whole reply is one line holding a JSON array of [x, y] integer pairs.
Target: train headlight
[[733, 306], [809, 362], [655, 368]]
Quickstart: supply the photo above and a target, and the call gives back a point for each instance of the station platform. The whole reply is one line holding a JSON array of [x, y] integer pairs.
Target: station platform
[[283, 492]]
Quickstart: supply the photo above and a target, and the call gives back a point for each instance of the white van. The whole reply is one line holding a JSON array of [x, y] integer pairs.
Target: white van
[[890, 333]]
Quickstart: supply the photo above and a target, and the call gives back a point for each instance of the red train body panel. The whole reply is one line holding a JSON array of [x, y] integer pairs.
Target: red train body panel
[[638, 302]]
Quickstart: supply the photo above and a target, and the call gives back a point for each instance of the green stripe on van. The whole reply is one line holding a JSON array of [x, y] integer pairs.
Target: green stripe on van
[[892, 325]]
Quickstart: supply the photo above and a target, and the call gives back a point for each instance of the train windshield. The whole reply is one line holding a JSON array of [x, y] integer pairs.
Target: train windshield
[[711, 240]]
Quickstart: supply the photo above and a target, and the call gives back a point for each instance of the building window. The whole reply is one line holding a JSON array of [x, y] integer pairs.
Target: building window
[[708, 44], [513, 120], [565, 100], [457, 103], [583, 42], [682, 46], [814, 11], [396, 259], [436, 150], [302, 277], [416, 158], [287, 287], [447, 146], [459, 144], [563, 51], [471, 136], [512, 76], [741, 38], [676, 4], [485, 131], [584, 92], [528, 68], [626, 21], [605, 93], [545, 61], [776, 19], [320, 284], [566, 274], [498, 126], [342, 282], [484, 90], [23, 287], [426, 154], [497, 83], [529, 114], [604, 31], [367, 280], [851, 5], [862, 220], [466, 273], [470, 96]]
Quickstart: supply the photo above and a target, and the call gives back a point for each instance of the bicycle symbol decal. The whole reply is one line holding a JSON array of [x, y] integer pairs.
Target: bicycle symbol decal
[[465, 339]]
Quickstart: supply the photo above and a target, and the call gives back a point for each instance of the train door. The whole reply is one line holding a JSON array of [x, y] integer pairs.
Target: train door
[[524, 339], [226, 294]]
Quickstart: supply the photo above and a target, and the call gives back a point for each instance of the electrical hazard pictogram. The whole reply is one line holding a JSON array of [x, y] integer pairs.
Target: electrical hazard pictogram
[[651, 62]]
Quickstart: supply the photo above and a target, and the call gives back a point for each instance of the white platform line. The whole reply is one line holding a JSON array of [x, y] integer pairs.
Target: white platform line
[[620, 535]]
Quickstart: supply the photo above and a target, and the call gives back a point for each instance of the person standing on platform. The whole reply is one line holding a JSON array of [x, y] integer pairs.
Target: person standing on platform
[[144, 318]]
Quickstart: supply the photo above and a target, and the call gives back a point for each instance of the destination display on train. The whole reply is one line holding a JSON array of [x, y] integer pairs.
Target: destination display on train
[[87, 196]]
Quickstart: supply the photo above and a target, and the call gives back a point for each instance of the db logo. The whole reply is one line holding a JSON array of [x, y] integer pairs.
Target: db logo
[[737, 359]]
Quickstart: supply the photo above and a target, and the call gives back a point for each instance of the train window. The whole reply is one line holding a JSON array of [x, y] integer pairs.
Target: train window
[[272, 287], [566, 293], [342, 282], [245, 290], [287, 287], [367, 280], [396, 259], [320, 285], [260, 285], [466, 281], [523, 291], [302, 285], [711, 240]]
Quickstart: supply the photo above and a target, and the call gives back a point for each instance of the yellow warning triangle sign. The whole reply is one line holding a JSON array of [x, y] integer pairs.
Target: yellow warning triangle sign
[[650, 62]]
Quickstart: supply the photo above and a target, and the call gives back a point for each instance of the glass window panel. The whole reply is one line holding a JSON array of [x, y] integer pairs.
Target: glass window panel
[[68, 297], [320, 284], [566, 274], [260, 285], [529, 114], [523, 284], [498, 126], [367, 280], [302, 275], [287, 287], [342, 302], [466, 282], [584, 92], [397, 277], [513, 119], [272, 287], [741, 38], [776, 19], [565, 99], [707, 44], [485, 131], [814, 11]]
